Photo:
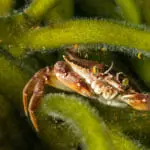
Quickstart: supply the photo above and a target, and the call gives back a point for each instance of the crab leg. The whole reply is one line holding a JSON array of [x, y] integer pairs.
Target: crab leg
[[72, 57], [28, 89], [139, 101], [35, 86], [35, 89], [35, 101]]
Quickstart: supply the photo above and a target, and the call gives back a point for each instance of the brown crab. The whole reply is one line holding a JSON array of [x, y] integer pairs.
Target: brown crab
[[88, 78]]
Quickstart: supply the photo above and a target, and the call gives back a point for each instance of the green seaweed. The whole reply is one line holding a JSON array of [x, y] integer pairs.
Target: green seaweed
[[6, 7], [60, 13], [38, 8], [99, 8], [90, 128], [145, 6], [129, 7], [37, 36], [15, 25], [84, 31], [15, 132], [12, 81]]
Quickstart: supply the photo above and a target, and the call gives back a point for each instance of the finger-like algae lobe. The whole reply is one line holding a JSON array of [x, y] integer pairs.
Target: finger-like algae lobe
[[48, 26], [89, 130]]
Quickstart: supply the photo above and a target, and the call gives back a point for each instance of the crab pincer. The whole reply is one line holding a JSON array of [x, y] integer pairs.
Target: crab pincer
[[71, 79], [139, 101]]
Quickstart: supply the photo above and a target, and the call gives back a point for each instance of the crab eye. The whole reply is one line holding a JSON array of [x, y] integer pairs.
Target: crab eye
[[125, 82], [95, 70]]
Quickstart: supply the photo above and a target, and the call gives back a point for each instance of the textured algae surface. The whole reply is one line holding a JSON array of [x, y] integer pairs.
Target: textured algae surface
[[35, 34]]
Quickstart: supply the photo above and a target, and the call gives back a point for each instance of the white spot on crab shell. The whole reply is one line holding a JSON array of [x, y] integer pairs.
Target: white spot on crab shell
[[144, 100], [93, 84], [45, 77], [78, 84], [109, 102], [57, 74], [99, 78], [63, 76], [97, 90], [127, 96], [47, 69], [88, 81]]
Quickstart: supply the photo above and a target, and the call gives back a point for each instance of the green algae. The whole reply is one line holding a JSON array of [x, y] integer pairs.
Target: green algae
[[129, 7], [91, 130], [45, 25], [84, 31]]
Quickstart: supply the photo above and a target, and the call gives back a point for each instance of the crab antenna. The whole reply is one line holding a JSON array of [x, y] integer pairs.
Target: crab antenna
[[118, 74], [111, 66]]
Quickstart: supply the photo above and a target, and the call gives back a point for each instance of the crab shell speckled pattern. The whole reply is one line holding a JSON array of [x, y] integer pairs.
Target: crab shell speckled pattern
[[106, 85]]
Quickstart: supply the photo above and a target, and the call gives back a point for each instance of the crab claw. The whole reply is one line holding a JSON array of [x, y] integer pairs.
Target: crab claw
[[138, 101], [71, 79]]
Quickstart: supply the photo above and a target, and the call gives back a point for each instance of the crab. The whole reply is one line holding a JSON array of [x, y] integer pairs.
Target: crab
[[87, 78]]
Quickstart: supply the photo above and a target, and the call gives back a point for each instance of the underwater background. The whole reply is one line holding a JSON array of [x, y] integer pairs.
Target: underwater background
[[35, 34]]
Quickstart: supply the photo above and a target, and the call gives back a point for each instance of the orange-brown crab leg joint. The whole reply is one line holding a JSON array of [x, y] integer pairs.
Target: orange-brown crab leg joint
[[138, 101]]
